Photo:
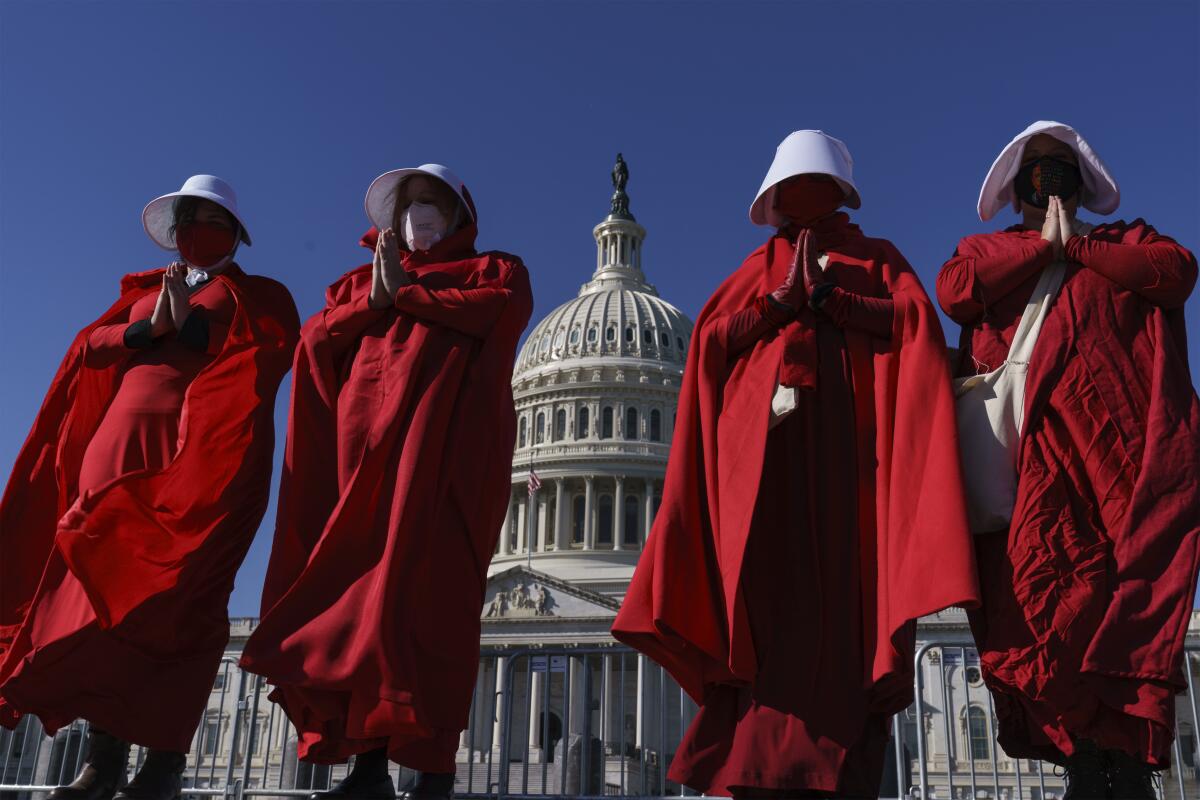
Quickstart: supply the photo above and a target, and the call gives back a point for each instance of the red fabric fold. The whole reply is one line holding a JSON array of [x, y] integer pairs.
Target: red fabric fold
[[916, 553], [154, 550], [394, 490], [1087, 596]]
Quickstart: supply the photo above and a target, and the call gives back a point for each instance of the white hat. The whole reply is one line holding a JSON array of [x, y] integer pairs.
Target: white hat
[[802, 153], [158, 218], [380, 202], [1100, 194]]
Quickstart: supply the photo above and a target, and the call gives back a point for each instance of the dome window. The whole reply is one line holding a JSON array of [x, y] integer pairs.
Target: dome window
[[575, 336], [539, 435], [629, 334], [521, 432], [610, 335], [606, 423], [558, 340], [545, 343], [679, 342], [631, 423], [581, 425], [647, 336], [592, 335], [666, 339], [579, 509], [560, 425], [656, 426], [604, 532]]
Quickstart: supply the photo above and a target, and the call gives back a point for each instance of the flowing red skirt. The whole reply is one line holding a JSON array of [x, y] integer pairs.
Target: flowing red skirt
[[73, 669], [805, 723]]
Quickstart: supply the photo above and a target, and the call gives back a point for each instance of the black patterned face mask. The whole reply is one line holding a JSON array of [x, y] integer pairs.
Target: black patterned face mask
[[1038, 180]]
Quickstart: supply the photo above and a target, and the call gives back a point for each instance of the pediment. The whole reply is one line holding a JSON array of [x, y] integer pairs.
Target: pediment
[[521, 593]]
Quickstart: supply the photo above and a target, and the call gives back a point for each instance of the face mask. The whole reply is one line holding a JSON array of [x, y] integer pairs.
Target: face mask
[[806, 200], [203, 244], [1038, 180], [423, 225]]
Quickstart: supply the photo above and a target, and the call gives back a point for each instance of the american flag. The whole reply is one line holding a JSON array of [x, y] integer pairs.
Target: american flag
[[535, 482]]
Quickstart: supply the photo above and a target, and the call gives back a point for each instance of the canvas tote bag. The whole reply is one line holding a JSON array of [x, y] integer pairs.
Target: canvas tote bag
[[991, 412]]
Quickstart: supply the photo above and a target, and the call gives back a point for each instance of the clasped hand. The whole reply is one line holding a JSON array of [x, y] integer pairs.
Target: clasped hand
[[387, 271]]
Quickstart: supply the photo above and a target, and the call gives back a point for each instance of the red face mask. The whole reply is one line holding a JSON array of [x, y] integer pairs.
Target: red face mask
[[203, 244], [806, 199]]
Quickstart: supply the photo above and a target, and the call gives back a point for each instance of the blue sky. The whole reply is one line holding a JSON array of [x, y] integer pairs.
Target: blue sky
[[300, 104]]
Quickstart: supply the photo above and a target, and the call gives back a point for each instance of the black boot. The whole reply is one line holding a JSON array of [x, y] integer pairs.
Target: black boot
[[104, 766], [1129, 778], [160, 778], [431, 786], [1087, 774], [368, 780]]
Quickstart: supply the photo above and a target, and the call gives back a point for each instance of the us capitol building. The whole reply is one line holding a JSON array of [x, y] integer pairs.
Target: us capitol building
[[560, 708]]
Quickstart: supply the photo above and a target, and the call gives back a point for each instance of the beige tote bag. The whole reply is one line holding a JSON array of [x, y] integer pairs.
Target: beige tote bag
[[991, 412]]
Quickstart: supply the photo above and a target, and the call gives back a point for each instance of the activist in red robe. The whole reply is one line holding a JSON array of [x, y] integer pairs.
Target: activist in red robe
[[394, 488], [812, 509], [1088, 592], [136, 496]]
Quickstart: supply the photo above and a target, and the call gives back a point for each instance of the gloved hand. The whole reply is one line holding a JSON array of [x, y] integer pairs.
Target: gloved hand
[[792, 293]]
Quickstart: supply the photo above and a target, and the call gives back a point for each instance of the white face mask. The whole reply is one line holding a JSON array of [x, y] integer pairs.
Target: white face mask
[[423, 225]]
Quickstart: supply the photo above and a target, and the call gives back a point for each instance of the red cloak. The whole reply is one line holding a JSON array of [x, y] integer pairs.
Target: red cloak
[[155, 551], [916, 554], [1088, 594], [393, 494]]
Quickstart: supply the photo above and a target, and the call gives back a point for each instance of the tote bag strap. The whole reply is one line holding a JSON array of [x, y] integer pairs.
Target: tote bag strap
[[1035, 313]]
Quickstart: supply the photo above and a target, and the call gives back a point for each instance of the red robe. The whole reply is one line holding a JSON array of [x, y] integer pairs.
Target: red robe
[[686, 606], [113, 599], [394, 491], [1087, 596]]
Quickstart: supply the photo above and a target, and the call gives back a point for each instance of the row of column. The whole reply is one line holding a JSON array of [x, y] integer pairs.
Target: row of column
[[563, 521], [578, 696]]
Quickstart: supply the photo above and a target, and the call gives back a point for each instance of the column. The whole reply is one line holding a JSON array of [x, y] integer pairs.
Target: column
[[501, 681], [606, 716], [535, 707], [505, 542], [639, 736], [561, 527], [589, 506], [577, 680], [649, 509], [522, 524], [618, 512], [542, 536]]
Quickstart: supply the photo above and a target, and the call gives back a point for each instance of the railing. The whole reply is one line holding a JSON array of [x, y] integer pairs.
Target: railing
[[592, 722]]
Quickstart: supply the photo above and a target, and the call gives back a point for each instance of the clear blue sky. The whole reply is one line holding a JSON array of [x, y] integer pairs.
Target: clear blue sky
[[300, 104]]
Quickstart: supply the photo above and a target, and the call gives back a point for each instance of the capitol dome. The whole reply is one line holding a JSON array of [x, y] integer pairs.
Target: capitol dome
[[596, 384]]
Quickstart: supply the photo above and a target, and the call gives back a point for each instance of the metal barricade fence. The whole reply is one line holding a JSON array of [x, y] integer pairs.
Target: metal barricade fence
[[592, 722]]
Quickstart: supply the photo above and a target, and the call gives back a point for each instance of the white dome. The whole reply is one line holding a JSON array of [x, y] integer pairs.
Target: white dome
[[607, 324]]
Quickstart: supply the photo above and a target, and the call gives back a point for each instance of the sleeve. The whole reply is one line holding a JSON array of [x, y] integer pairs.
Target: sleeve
[[346, 321], [872, 315], [972, 280], [470, 311], [109, 344], [1157, 267], [742, 329]]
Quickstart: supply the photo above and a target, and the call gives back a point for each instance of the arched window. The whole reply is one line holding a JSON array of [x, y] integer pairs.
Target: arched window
[[560, 425], [513, 526], [610, 335], [575, 336], [666, 339], [578, 509], [558, 339], [581, 424], [539, 435], [546, 342], [647, 336], [631, 423], [604, 532], [679, 341], [606, 423], [977, 732], [629, 334], [632, 517], [592, 335], [521, 432]]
